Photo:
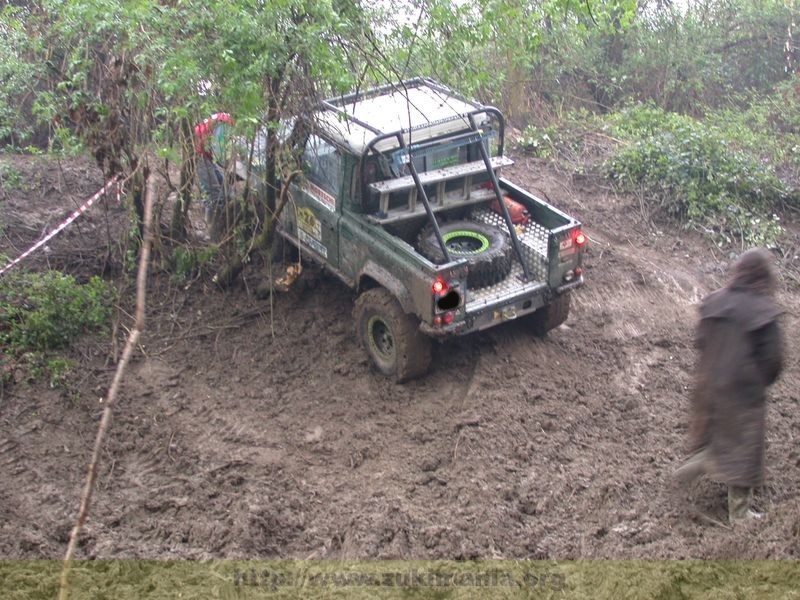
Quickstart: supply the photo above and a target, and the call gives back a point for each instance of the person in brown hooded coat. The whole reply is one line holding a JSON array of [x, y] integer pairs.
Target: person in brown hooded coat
[[741, 354]]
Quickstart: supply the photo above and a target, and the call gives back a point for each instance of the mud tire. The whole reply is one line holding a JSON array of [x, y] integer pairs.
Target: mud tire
[[486, 248], [391, 337], [550, 316]]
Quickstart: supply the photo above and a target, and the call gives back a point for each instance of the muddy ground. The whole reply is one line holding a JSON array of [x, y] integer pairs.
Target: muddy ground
[[257, 428]]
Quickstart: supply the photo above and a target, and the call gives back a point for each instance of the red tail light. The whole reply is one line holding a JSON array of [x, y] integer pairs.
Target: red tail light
[[579, 237], [439, 287], [448, 317]]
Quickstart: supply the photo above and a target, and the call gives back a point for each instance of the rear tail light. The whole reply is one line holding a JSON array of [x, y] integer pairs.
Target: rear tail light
[[445, 296], [573, 274], [444, 319], [579, 238]]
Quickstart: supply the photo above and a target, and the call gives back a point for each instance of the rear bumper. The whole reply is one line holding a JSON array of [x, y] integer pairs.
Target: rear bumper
[[569, 286], [505, 310]]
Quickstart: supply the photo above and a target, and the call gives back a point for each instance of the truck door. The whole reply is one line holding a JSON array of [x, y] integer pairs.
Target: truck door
[[318, 200]]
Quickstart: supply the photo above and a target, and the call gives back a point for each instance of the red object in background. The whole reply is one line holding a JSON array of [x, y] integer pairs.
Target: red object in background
[[206, 128], [518, 213]]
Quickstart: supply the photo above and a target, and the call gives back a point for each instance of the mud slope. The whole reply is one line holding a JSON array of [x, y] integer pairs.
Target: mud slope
[[256, 429]]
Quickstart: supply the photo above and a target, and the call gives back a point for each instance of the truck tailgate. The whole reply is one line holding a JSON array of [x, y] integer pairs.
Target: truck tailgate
[[542, 240]]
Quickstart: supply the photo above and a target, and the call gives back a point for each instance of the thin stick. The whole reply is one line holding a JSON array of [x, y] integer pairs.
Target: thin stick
[[130, 345]]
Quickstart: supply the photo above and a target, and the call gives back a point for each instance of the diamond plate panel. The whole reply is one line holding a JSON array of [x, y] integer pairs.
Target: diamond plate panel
[[534, 240], [533, 237]]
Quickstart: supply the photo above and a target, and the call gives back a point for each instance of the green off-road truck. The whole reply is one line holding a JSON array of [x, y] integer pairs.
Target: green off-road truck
[[401, 199]]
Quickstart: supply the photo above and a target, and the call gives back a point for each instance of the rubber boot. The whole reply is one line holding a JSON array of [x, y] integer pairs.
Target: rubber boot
[[739, 500], [692, 468]]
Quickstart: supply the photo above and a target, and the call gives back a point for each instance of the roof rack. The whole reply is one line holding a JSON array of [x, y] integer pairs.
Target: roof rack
[[420, 109]]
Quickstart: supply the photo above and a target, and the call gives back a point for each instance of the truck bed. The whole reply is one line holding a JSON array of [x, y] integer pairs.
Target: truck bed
[[534, 239]]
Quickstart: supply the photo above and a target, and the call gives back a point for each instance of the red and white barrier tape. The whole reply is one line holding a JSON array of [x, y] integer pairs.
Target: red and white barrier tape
[[78, 212]]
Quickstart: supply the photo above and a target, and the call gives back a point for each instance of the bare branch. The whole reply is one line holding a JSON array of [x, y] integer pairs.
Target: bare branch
[[91, 477]]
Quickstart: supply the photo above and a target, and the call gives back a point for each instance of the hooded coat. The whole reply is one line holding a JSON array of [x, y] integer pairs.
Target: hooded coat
[[741, 354]]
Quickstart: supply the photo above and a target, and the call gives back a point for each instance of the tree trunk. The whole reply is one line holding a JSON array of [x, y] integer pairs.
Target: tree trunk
[[177, 227], [272, 142], [263, 240], [140, 174]]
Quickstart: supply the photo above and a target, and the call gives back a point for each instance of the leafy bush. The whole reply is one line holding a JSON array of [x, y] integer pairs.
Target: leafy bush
[[11, 177], [568, 139], [537, 140], [637, 121], [683, 56], [54, 370], [764, 125], [17, 75], [187, 263], [693, 174], [66, 143], [47, 311]]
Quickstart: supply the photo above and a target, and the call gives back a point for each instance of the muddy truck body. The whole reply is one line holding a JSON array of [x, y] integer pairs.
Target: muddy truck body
[[402, 199]]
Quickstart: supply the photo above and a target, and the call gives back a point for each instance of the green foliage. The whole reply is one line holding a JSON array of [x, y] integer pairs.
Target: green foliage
[[538, 140], [766, 125], [43, 312], [681, 56], [195, 57], [66, 143], [47, 311], [232, 50], [11, 177], [638, 121], [54, 370], [17, 75], [187, 262], [575, 139], [696, 176], [486, 48]]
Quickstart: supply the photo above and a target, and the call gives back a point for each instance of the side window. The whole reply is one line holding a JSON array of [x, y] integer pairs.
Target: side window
[[370, 173], [323, 164]]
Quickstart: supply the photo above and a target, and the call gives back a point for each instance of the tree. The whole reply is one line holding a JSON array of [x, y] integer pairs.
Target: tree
[[131, 78]]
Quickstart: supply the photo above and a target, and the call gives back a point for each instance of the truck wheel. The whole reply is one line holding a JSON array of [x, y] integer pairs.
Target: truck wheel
[[390, 336], [486, 248], [550, 316]]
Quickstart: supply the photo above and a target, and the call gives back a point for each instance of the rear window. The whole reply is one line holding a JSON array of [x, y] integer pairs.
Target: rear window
[[432, 156]]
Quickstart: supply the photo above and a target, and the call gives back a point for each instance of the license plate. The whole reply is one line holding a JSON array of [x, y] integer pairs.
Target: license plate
[[566, 243]]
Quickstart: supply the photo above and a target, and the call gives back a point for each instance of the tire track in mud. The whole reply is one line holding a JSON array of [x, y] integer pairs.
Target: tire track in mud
[[224, 428]]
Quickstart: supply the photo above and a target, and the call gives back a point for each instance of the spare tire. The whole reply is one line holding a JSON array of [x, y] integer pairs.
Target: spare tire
[[486, 248]]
